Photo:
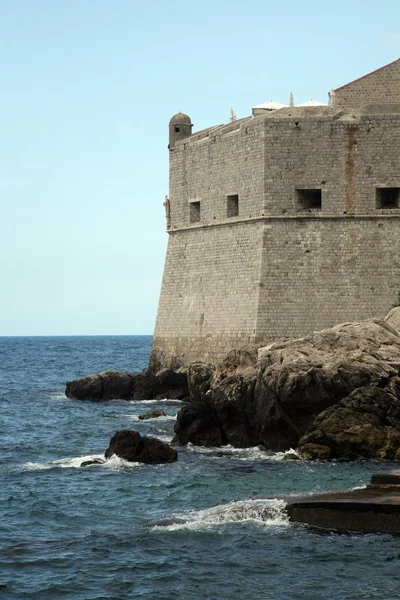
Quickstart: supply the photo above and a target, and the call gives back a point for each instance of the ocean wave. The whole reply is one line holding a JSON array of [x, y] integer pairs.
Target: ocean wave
[[59, 395], [77, 461], [252, 453], [267, 512]]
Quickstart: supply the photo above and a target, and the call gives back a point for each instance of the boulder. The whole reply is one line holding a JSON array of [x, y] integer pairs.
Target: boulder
[[170, 384], [315, 451], [92, 461], [275, 400], [133, 447], [291, 456], [109, 385], [198, 424], [365, 424], [152, 414]]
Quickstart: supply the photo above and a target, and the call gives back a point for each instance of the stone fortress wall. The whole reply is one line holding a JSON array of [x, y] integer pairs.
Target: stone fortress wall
[[281, 224]]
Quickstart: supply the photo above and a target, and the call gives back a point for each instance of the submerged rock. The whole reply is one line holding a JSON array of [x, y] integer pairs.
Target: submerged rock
[[131, 446], [93, 461], [291, 456], [152, 414], [276, 399], [315, 451], [109, 385]]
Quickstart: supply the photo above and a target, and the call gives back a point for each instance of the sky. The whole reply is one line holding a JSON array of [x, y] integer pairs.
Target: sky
[[86, 93]]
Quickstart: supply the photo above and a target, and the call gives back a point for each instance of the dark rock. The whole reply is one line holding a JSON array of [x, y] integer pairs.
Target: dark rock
[[315, 451], [143, 388], [131, 446], [152, 414], [266, 451], [170, 384], [291, 456], [109, 385], [200, 377], [366, 424], [197, 424], [93, 461]]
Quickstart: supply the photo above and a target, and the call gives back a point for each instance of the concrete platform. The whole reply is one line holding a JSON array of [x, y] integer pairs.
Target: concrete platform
[[373, 509]]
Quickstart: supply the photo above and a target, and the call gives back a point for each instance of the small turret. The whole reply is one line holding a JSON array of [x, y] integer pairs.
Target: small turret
[[180, 127]]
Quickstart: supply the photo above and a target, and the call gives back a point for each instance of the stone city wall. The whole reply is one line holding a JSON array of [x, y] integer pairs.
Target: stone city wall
[[280, 268], [209, 295]]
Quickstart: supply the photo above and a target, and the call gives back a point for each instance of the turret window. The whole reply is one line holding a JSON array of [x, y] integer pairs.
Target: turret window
[[309, 199], [387, 198], [177, 129], [232, 206], [194, 214]]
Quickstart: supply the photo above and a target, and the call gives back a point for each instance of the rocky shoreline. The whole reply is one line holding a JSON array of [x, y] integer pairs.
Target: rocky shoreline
[[334, 394]]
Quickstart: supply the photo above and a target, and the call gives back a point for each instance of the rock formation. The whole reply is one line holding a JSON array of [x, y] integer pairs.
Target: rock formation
[[133, 447], [108, 385], [113, 385], [335, 392], [152, 414]]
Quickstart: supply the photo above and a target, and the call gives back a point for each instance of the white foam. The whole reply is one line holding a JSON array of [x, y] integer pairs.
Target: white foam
[[58, 396], [163, 401], [163, 438], [252, 453], [267, 513], [76, 463]]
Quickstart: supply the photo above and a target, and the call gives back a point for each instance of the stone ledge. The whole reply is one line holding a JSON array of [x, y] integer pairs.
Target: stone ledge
[[373, 509]]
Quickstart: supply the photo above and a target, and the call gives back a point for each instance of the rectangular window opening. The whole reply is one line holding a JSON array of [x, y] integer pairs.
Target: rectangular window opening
[[177, 129], [232, 206], [387, 198], [309, 199], [194, 212]]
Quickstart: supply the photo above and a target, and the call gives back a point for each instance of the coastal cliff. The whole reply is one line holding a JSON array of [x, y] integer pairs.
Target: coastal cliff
[[333, 394]]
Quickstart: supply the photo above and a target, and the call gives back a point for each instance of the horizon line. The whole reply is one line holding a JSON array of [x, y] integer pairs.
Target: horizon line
[[78, 335]]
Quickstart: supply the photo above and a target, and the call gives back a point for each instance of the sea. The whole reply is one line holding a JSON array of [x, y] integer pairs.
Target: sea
[[210, 526]]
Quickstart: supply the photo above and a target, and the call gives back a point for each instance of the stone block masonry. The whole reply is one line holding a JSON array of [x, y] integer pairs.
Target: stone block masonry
[[281, 224]]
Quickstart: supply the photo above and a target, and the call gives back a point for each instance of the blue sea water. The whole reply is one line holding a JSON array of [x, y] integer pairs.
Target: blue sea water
[[211, 526]]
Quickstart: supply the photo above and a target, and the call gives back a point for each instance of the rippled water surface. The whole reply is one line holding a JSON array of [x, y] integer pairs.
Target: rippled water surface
[[210, 526]]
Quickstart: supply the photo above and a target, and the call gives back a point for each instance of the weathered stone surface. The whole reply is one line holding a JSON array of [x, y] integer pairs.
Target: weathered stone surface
[[199, 380], [108, 385], [152, 414], [275, 402], [131, 446]]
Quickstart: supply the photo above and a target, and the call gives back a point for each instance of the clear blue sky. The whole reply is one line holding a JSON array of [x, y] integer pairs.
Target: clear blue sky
[[87, 90]]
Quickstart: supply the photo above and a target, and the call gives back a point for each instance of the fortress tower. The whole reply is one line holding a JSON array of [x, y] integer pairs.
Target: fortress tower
[[282, 223]]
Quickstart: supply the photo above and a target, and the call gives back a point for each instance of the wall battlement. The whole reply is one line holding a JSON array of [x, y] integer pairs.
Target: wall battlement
[[281, 224]]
